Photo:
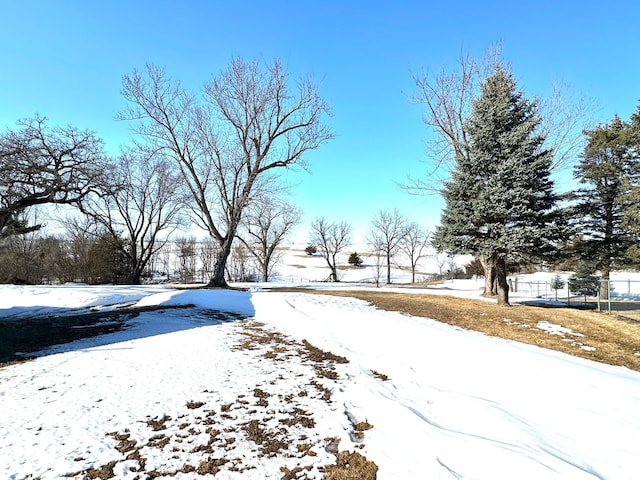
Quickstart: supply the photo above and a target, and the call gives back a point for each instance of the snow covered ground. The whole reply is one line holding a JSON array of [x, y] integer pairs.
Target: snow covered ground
[[262, 391], [297, 268]]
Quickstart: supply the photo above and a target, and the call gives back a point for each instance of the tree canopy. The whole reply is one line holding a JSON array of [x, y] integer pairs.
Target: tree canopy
[[41, 165]]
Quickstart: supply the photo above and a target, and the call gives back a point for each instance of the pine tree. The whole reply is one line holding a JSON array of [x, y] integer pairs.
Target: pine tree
[[557, 283], [604, 171], [631, 215], [584, 282], [354, 259], [500, 204]]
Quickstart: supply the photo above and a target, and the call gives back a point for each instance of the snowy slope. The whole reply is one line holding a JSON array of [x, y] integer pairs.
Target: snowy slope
[[240, 395]]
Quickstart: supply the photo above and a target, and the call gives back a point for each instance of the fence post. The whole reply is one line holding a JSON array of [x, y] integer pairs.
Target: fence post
[[609, 295]]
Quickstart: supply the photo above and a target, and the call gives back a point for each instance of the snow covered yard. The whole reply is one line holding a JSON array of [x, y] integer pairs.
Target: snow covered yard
[[281, 382]]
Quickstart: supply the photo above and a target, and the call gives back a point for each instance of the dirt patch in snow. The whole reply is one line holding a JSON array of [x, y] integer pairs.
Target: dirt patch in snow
[[265, 423]]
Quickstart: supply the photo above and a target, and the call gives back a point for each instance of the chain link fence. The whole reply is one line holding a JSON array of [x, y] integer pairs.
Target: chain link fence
[[616, 296]]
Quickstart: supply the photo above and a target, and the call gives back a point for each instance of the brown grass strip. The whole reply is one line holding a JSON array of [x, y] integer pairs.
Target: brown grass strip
[[616, 339]]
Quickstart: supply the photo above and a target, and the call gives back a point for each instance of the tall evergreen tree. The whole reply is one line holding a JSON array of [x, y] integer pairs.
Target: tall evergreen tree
[[605, 171], [631, 216], [500, 204]]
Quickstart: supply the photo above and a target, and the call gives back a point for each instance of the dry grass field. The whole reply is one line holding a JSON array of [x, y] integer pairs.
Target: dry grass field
[[612, 339]]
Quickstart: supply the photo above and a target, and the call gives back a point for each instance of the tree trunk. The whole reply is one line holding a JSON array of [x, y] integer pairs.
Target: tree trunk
[[388, 269], [334, 272], [218, 280], [489, 266], [603, 291], [501, 279], [134, 269], [134, 277]]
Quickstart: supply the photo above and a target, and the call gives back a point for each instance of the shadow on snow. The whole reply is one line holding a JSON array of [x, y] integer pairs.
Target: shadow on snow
[[64, 330]]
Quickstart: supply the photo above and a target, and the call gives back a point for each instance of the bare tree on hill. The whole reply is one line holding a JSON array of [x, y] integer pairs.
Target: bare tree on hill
[[265, 226], [330, 239], [413, 245], [388, 228]]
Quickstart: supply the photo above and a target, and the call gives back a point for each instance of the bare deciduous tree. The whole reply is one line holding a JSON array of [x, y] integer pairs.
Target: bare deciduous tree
[[414, 245], [251, 121], [92, 254], [142, 212], [330, 239], [187, 258], [43, 165], [441, 262], [388, 228], [378, 262], [265, 225], [208, 254], [239, 267]]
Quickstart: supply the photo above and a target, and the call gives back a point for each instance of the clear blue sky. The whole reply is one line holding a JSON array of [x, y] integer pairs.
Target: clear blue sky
[[66, 59]]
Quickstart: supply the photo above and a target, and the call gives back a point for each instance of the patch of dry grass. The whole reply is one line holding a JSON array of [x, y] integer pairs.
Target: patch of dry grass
[[351, 466], [611, 339]]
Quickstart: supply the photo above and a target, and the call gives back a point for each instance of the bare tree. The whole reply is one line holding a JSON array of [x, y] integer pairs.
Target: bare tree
[[565, 115], [378, 262], [21, 259], [93, 256], [441, 262], [43, 165], [266, 224], [250, 122], [187, 258], [386, 232], [81, 234], [240, 264], [447, 97], [453, 269], [330, 239], [208, 253], [414, 245], [143, 210]]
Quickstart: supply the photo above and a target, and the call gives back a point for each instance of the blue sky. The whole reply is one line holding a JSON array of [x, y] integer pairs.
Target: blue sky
[[65, 60]]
